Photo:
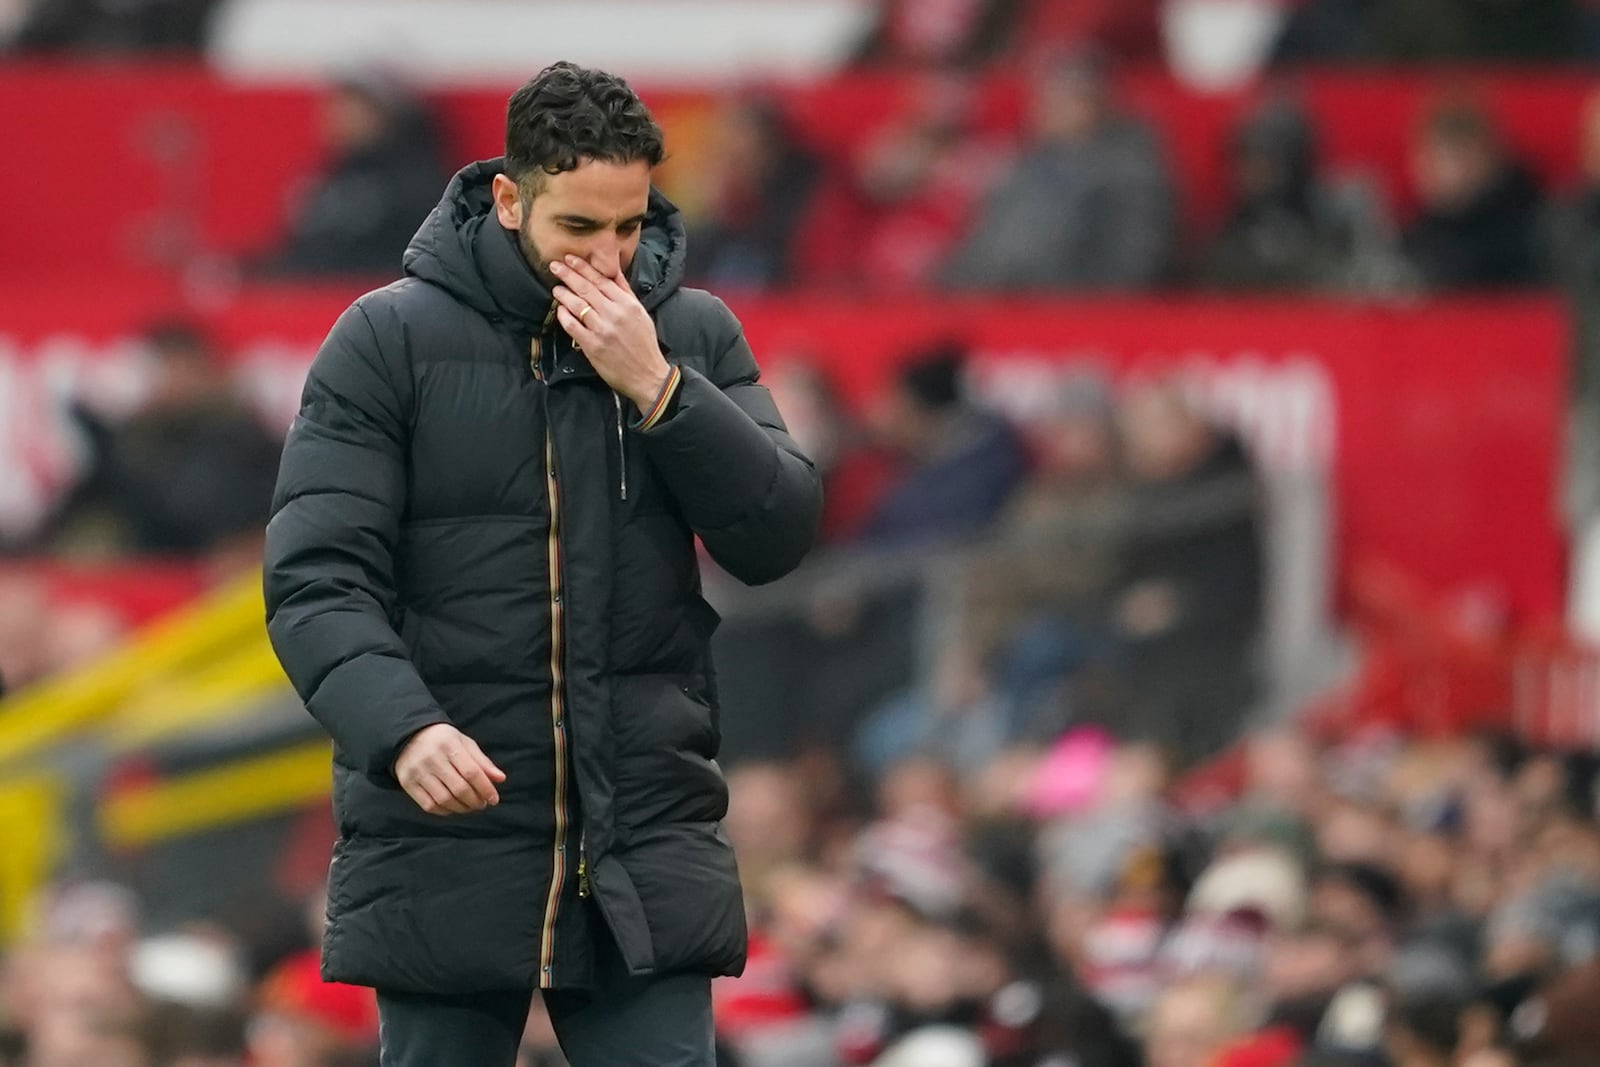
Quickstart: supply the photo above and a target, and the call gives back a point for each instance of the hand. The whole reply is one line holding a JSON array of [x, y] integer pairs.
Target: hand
[[616, 334], [446, 773]]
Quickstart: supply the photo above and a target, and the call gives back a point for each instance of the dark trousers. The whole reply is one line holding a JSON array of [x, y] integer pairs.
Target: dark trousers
[[624, 1022]]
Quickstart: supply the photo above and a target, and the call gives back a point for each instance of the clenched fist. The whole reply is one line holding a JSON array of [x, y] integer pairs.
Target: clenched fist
[[446, 773]]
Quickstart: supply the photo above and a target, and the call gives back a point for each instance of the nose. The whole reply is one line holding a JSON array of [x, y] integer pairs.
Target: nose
[[605, 255]]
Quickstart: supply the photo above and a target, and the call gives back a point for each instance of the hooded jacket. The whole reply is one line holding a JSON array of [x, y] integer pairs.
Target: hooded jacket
[[470, 527]]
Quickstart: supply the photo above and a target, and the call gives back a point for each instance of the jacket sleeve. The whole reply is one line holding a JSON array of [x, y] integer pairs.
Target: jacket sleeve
[[741, 481], [330, 544]]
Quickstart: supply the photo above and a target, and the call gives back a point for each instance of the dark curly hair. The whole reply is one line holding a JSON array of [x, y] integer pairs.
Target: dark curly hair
[[568, 114]]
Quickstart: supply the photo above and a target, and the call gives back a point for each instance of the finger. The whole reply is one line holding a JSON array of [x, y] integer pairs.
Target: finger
[[461, 790], [587, 315], [475, 780], [444, 798], [612, 286], [586, 285], [575, 329], [572, 300], [494, 773], [431, 796]]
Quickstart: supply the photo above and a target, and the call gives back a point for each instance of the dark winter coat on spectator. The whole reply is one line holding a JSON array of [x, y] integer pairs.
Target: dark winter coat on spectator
[[358, 217], [1095, 214], [1493, 240], [1197, 536], [469, 527], [955, 492]]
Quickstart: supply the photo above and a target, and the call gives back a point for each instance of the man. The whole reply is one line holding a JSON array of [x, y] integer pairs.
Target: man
[[189, 472], [481, 577], [1087, 205]]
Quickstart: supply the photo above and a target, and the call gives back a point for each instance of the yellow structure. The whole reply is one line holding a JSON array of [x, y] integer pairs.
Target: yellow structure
[[197, 668]]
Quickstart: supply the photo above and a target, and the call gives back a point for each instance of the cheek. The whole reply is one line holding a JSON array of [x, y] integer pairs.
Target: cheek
[[552, 241]]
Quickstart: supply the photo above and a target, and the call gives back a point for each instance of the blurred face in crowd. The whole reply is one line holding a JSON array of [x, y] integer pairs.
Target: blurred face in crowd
[[1427, 867], [1069, 103], [748, 143], [1075, 446], [808, 407], [1282, 767], [905, 424], [1453, 163], [805, 906], [1163, 436], [1350, 832], [856, 962], [927, 971], [915, 785], [77, 998], [90, 1042], [352, 121], [1342, 906], [594, 211], [1539, 788], [767, 819], [1190, 1024], [1312, 962], [280, 1039], [186, 376]]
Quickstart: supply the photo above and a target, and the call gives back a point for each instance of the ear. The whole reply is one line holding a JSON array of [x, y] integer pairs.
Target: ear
[[507, 202]]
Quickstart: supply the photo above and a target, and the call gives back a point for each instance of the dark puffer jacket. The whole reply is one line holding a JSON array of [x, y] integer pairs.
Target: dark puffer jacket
[[470, 526]]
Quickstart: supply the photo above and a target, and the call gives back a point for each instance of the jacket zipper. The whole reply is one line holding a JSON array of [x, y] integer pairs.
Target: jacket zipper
[[583, 863], [559, 730], [622, 450]]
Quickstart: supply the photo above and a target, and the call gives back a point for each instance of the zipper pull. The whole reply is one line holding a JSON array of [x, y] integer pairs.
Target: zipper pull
[[622, 450], [583, 870]]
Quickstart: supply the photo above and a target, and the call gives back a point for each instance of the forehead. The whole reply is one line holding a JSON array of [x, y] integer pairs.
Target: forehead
[[595, 189]]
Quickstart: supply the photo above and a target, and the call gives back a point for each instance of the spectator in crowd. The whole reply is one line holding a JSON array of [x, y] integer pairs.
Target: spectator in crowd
[[1288, 228], [761, 185], [918, 34], [190, 472], [959, 462], [892, 218], [1479, 219], [113, 25], [853, 470], [1038, 584], [1190, 592], [1193, 1022], [1087, 205], [382, 177], [303, 1021], [1054, 922]]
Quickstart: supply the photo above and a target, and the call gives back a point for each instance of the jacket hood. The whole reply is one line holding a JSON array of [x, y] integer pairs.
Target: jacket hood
[[462, 248]]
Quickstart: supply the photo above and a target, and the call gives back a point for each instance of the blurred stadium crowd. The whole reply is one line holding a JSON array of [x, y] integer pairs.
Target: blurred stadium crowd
[[997, 855]]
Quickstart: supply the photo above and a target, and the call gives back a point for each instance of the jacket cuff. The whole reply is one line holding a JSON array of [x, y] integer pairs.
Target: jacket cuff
[[663, 406]]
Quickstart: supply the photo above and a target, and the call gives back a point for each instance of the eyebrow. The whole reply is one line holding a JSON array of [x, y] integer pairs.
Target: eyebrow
[[581, 220]]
